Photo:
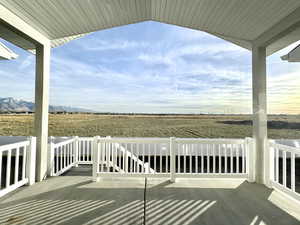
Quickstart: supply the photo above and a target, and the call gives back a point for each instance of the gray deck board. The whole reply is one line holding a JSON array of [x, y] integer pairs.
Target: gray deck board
[[75, 199]]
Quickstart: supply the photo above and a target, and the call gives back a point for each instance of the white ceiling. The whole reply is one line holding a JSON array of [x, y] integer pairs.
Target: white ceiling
[[238, 21]]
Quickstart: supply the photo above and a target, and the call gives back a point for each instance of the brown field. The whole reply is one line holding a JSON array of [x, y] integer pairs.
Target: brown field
[[205, 126]]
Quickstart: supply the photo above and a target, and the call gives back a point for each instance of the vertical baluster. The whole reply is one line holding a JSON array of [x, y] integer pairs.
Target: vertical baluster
[[190, 149], [184, 157], [220, 158], [196, 155], [97, 154], [160, 158], [207, 158], [73, 153], [118, 147], [113, 155], [24, 163], [293, 174], [65, 159], [0, 167], [243, 159], [225, 156], [202, 158], [155, 149], [214, 158], [137, 157], [284, 168], [124, 158], [107, 155], [143, 170], [68, 154], [167, 152], [149, 155], [61, 157], [102, 155], [17, 165], [277, 164], [8, 167], [56, 159], [131, 158], [89, 155], [231, 158], [237, 154], [140, 158], [80, 150], [84, 149], [178, 156]]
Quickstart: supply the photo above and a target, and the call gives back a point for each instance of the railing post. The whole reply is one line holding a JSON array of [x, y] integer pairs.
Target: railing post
[[50, 170], [76, 150], [250, 159], [172, 159], [270, 169], [31, 160], [95, 159]]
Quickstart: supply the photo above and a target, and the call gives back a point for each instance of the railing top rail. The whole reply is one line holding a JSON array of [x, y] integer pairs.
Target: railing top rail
[[59, 144], [167, 140], [134, 140], [209, 141], [14, 145], [85, 138], [285, 148]]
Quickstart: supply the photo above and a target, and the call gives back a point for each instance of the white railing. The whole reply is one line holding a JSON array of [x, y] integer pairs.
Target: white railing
[[17, 165], [171, 157], [282, 168], [85, 150], [211, 156], [62, 156]]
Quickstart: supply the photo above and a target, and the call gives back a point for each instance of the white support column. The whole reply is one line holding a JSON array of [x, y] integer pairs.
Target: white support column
[[51, 155], [76, 150], [30, 165], [41, 108], [259, 88], [172, 159], [96, 162]]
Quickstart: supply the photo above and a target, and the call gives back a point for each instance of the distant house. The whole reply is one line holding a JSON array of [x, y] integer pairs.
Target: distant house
[[6, 53], [292, 56]]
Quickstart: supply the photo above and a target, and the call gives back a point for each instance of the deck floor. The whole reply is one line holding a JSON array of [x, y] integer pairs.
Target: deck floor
[[75, 199]]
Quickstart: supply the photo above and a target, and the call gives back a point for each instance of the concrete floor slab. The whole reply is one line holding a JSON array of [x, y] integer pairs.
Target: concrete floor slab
[[75, 199]]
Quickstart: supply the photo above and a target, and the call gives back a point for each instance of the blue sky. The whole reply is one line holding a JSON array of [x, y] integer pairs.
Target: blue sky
[[153, 67]]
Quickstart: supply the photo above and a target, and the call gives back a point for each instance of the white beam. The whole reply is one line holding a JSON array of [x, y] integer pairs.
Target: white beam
[[41, 108], [259, 101], [20, 27], [279, 30]]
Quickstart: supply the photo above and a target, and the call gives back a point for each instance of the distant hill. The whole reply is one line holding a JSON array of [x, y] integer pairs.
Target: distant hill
[[14, 105]]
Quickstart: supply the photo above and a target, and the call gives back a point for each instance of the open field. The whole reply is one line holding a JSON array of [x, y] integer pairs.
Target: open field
[[206, 126]]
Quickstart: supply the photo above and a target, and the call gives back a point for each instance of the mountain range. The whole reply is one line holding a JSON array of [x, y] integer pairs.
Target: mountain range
[[10, 104]]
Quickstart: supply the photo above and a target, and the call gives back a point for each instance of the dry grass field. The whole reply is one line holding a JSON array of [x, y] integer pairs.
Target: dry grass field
[[205, 126]]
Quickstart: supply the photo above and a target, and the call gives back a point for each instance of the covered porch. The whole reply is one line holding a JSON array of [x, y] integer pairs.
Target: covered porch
[[252, 166]]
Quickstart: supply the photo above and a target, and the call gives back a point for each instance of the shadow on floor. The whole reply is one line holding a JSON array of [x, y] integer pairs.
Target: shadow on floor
[[77, 200]]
